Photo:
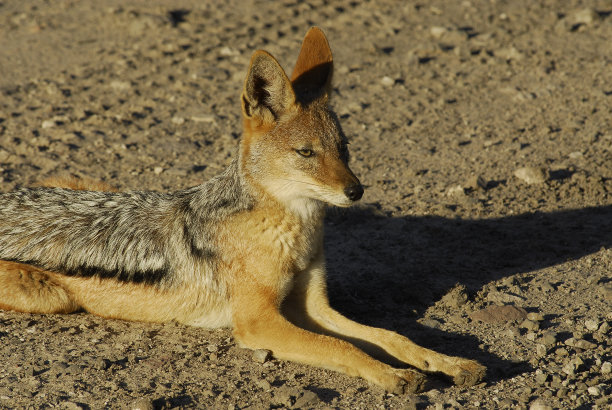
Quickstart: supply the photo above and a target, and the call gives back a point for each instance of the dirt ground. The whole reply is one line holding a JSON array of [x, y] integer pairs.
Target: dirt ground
[[481, 129]]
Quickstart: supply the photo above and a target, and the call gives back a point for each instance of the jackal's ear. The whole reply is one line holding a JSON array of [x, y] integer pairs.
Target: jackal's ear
[[267, 90], [311, 77]]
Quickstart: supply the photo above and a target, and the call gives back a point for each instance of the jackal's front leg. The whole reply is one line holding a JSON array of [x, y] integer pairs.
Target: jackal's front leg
[[258, 324], [308, 305]]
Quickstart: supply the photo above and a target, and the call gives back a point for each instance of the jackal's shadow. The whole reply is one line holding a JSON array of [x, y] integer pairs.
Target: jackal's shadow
[[383, 269]]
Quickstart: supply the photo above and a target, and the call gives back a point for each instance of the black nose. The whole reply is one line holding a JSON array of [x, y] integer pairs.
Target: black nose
[[354, 192]]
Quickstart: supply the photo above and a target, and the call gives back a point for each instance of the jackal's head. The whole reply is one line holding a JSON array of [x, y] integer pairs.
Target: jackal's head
[[293, 146]]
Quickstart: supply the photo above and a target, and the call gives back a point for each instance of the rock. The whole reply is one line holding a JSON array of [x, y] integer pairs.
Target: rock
[[432, 323], [604, 328], [541, 350], [263, 384], [584, 344], [158, 170], [308, 400], [261, 355], [387, 81], [456, 297], [535, 317], [541, 377], [212, 348], [455, 191], [284, 396], [101, 363], [549, 338], [591, 324], [499, 314], [584, 16], [142, 404], [594, 390], [475, 182], [120, 85], [539, 404], [529, 325], [437, 31], [530, 175], [69, 405], [48, 124], [606, 368], [504, 297], [606, 291], [510, 53]]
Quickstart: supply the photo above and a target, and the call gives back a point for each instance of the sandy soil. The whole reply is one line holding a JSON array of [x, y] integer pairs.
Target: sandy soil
[[481, 129]]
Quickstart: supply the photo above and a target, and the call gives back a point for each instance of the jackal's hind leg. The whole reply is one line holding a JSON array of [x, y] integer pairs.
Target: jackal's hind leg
[[25, 288]]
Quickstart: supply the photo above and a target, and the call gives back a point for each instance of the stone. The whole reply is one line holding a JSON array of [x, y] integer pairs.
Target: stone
[[142, 404], [261, 355], [541, 350], [432, 323], [530, 175], [584, 344], [549, 339], [475, 182], [504, 298], [606, 368], [529, 325], [591, 324], [584, 16], [308, 400], [499, 314], [535, 317], [456, 297], [387, 81], [541, 378], [539, 404]]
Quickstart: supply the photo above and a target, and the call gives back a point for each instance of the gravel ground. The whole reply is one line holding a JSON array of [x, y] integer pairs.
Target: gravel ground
[[481, 129]]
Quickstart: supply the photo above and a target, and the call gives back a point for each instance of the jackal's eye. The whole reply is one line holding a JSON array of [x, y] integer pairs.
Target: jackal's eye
[[305, 152]]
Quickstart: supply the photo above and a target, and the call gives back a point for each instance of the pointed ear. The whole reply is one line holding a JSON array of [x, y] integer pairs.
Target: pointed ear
[[267, 93], [311, 77]]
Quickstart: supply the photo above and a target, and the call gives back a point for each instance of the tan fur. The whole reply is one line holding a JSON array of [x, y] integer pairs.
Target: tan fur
[[269, 283]]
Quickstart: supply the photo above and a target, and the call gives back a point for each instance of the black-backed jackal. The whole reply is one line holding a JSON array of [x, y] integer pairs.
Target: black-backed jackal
[[243, 250]]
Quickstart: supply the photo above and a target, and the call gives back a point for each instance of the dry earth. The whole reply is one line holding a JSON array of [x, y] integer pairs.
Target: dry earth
[[482, 131]]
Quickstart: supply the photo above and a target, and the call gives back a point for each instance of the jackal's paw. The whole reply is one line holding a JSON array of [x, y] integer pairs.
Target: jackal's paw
[[402, 381], [468, 373]]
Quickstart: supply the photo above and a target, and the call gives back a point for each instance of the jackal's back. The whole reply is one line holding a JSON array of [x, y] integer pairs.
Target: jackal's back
[[131, 236]]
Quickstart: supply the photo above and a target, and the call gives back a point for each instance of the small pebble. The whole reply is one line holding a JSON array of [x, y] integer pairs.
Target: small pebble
[[541, 350], [308, 400], [48, 124], [529, 325], [142, 404], [539, 404], [541, 378], [530, 175], [549, 338], [606, 368], [535, 317], [261, 355], [591, 324], [387, 81], [584, 344]]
